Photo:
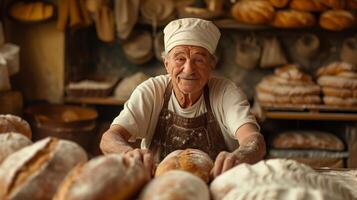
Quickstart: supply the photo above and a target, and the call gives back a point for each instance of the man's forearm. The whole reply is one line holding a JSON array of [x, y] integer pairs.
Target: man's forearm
[[251, 150], [113, 142]]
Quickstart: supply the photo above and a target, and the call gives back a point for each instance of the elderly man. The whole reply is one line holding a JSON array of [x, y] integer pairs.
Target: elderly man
[[187, 108]]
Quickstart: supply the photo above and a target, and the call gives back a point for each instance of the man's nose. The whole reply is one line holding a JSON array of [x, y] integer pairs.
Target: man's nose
[[188, 67]]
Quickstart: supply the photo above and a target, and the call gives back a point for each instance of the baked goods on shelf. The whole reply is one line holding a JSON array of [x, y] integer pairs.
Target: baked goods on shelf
[[277, 179], [12, 123], [335, 4], [35, 171], [31, 11], [10, 143], [337, 20], [279, 3], [107, 177], [293, 19], [307, 5], [253, 12], [194, 161], [335, 68], [176, 185]]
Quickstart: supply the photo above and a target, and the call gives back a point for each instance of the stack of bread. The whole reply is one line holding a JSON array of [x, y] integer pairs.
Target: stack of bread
[[338, 81], [314, 148], [333, 14], [288, 86]]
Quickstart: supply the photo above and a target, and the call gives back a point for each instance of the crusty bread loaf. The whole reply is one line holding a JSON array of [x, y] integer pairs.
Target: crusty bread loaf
[[307, 5], [111, 177], [337, 82], [301, 139], [194, 161], [279, 3], [12, 123], [337, 20], [339, 92], [337, 101], [176, 185], [293, 19], [35, 171], [335, 68], [253, 12], [335, 4], [10, 143], [276, 179]]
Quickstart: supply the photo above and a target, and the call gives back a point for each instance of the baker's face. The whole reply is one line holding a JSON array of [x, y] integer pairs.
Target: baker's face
[[189, 67]]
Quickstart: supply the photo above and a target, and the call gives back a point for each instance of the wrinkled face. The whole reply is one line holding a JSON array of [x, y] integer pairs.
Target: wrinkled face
[[189, 67]]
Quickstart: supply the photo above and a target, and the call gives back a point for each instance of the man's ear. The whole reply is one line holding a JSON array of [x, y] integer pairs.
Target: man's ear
[[166, 63]]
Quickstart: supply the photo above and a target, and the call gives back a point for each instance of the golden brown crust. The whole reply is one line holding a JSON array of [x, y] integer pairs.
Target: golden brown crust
[[337, 20], [307, 5], [279, 3], [335, 4], [12, 123], [10, 143], [293, 19], [191, 160], [253, 12]]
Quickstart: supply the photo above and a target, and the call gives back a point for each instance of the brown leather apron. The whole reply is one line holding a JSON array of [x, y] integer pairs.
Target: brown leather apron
[[174, 132]]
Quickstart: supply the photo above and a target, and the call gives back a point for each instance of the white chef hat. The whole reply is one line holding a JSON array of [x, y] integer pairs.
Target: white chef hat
[[191, 31]]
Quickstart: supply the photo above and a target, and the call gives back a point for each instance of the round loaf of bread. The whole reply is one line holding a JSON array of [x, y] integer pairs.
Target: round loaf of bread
[[337, 82], [307, 140], [337, 101], [10, 143], [279, 3], [335, 4], [111, 177], [307, 5], [35, 171], [335, 68], [12, 123], [253, 12], [276, 179], [339, 92], [194, 161], [293, 19], [337, 20], [176, 185]]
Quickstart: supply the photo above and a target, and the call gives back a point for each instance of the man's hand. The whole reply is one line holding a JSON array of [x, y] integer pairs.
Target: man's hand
[[224, 161], [145, 156]]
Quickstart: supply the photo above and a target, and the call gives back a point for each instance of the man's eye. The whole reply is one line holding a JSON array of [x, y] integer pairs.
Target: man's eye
[[180, 59]]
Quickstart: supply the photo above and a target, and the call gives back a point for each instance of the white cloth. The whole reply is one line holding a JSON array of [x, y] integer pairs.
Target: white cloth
[[140, 113], [191, 31]]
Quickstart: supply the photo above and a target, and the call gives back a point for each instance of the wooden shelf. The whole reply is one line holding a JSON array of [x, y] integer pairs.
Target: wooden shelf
[[97, 100]]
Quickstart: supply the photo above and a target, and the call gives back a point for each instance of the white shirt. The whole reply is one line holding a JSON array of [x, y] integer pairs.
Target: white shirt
[[141, 112]]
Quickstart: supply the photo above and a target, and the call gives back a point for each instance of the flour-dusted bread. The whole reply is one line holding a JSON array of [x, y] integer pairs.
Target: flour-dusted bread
[[337, 20], [335, 68], [253, 12], [110, 177], [35, 171], [293, 19], [176, 185], [276, 179], [10, 143], [307, 139], [307, 5], [12, 123], [194, 161]]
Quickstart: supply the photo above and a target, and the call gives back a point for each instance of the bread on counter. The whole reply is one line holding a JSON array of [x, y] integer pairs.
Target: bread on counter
[[337, 20], [12, 123], [110, 177], [307, 5], [194, 161], [10, 143], [35, 171], [253, 12], [293, 19]]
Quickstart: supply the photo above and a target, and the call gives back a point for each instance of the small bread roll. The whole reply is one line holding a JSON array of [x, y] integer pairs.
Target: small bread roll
[[111, 177], [279, 3], [335, 68], [293, 19], [12, 123], [194, 161], [335, 4], [337, 20], [253, 12], [10, 143], [339, 92], [35, 171], [307, 5], [176, 185]]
